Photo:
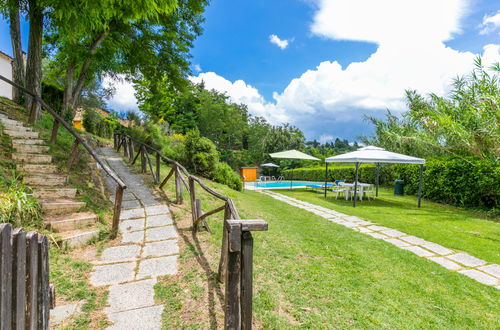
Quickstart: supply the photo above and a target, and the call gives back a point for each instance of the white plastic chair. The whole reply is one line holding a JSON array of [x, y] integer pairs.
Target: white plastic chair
[[339, 189]]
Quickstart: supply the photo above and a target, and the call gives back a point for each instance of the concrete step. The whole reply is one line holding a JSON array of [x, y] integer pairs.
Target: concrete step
[[54, 193], [37, 168], [32, 158], [71, 221], [76, 238], [26, 141], [46, 180], [30, 148], [21, 134], [60, 206], [17, 128], [10, 122]]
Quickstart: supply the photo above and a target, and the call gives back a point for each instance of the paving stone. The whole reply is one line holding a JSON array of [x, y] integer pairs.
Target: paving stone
[[349, 224], [158, 220], [377, 228], [133, 237], [363, 223], [132, 213], [132, 204], [397, 242], [466, 259], [364, 230], [160, 233], [377, 235], [493, 270], [63, 312], [446, 263], [479, 276], [148, 318], [393, 233], [120, 253], [353, 218], [112, 274], [418, 251], [414, 240], [157, 267], [157, 209], [437, 248], [161, 248], [131, 295], [131, 225]]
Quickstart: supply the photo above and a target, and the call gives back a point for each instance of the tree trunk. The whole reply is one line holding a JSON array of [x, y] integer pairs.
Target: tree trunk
[[67, 99], [34, 67], [18, 64]]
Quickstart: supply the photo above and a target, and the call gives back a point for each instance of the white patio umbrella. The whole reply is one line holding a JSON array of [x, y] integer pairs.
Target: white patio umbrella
[[269, 165], [372, 154], [292, 154]]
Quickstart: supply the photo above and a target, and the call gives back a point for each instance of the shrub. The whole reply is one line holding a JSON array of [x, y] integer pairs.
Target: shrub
[[96, 124], [223, 173], [201, 154], [367, 173]]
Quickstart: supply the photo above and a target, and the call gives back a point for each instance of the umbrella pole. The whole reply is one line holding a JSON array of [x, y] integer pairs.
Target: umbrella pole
[[291, 179], [326, 177], [378, 175], [420, 185], [356, 185]]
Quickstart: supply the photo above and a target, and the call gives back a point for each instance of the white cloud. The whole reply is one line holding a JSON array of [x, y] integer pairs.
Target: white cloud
[[197, 68], [325, 138], [124, 97], [490, 23], [274, 39]]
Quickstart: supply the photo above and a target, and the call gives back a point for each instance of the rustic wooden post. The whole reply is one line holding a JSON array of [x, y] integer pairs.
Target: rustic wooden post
[[114, 140], [125, 146], [221, 274], [192, 196], [43, 283], [178, 186], [117, 211], [5, 276], [158, 166], [246, 279], [143, 160], [74, 154], [131, 149], [232, 303], [18, 278], [32, 280], [197, 211]]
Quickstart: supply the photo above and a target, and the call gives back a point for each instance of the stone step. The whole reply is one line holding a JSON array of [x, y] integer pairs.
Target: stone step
[[32, 158], [71, 221], [21, 134], [54, 193], [10, 127], [37, 168], [10, 122], [30, 148], [26, 141], [46, 180], [76, 238], [60, 206]]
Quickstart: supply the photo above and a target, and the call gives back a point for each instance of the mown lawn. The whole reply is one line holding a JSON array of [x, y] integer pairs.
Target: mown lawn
[[310, 273], [447, 225]]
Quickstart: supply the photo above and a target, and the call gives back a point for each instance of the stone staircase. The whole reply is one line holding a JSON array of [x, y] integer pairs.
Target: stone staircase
[[61, 210]]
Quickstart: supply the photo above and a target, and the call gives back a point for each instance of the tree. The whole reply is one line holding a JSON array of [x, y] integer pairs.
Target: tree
[[17, 50]]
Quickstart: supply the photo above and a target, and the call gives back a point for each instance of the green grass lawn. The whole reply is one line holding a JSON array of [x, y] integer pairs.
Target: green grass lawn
[[311, 273], [449, 226]]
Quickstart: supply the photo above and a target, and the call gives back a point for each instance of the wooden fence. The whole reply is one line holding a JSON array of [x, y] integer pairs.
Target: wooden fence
[[25, 293], [235, 267], [75, 153]]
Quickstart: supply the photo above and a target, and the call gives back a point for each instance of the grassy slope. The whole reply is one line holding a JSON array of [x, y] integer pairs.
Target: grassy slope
[[447, 225], [315, 274]]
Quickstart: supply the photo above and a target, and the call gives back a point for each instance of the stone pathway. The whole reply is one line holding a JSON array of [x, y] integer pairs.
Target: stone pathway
[[148, 249], [477, 269]]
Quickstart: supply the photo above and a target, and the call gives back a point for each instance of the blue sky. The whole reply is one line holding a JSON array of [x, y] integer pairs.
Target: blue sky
[[343, 59]]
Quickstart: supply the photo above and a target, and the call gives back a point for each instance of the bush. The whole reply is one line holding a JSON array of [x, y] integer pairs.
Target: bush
[[367, 173], [201, 154], [223, 173], [96, 124]]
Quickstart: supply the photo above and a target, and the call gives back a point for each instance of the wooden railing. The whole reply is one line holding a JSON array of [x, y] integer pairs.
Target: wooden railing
[[74, 154], [235, 266], [25, 293]]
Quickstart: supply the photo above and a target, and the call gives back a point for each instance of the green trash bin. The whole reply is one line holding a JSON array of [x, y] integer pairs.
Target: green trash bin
[[399, 188]]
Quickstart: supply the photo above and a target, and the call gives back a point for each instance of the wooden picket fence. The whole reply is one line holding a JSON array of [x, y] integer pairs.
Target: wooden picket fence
[[25, 293], [236, 261]]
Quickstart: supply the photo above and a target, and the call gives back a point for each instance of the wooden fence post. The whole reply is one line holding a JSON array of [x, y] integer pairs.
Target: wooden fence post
[[246, 279], [192, 197], [117, 210], [232, 317], [131, 149], [19, 278], [43, 283], [32, 280], [178, 186], [158, 166], [143, 160], [74, 156], [5, 276], [125, 146]]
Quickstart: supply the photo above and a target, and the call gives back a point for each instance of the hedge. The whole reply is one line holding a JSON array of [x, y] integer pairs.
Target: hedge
[[469, 183]]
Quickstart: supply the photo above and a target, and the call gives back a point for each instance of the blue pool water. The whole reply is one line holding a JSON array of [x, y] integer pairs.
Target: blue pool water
[[284, 184]]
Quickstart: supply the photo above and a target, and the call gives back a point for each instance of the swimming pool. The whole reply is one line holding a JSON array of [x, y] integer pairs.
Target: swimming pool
[[281, 184]]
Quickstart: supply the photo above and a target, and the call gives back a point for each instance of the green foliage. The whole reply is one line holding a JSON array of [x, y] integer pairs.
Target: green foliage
[[465, 123], [367, 173], [96, 124], [201, 154], [223, 173], [17, 206], [470, 183]]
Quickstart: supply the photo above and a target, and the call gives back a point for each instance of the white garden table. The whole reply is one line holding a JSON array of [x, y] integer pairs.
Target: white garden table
[[350, 186]]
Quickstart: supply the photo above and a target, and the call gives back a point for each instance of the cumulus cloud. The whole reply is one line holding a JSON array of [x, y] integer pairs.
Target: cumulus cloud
[[490, 23], [197, 68], [274, 39], [124, 96], [325, 138]]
